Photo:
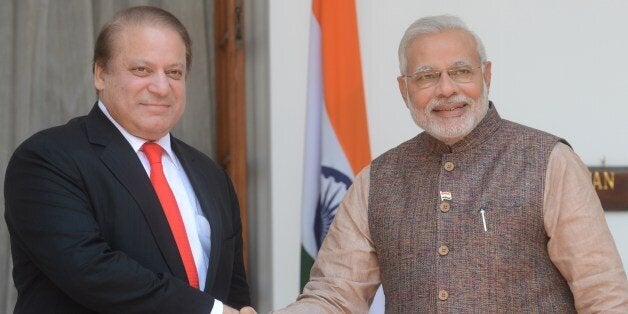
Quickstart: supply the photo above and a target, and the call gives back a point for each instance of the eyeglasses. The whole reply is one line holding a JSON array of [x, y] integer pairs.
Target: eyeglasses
[[425, 79]]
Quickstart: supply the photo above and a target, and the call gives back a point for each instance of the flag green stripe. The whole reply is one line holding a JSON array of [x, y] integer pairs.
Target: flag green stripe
[[306, 265]]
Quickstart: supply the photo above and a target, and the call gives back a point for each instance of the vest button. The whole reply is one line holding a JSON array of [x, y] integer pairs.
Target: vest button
[[444, 207], [443, 295], [443, 250], [449, 166]]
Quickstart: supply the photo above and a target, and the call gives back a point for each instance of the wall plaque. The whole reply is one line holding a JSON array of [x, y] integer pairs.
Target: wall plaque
[[611, 185]]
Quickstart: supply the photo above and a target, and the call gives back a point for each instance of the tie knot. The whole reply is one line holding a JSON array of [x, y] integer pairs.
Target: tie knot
[[153, 152]]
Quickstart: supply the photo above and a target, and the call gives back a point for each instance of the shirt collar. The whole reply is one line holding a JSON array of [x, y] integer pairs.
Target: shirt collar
[[135, 141]]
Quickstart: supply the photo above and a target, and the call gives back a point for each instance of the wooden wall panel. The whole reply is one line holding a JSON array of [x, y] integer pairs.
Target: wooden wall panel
[[230, 99]]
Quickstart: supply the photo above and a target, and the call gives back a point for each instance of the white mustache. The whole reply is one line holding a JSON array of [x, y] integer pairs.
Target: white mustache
[[450, 100]]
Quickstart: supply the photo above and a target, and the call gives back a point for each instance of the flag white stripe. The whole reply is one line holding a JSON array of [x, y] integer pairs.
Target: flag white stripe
[[313, 125]]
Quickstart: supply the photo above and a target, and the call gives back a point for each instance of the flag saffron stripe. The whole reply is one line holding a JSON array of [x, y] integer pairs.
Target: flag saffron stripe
[[342, 78]]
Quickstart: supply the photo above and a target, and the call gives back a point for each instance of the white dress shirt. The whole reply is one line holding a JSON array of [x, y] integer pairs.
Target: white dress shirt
[[196, 224]]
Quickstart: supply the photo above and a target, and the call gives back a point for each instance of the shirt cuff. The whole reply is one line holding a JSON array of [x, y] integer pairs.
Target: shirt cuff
[[217, 309]]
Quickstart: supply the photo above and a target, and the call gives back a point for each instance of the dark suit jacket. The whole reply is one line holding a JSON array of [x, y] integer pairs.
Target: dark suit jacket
[[88, 233]]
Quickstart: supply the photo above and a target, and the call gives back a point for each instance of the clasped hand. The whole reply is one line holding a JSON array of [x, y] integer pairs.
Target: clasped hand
[[244, 310]]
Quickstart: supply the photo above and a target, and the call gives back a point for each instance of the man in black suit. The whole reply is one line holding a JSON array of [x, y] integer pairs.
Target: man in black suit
[[89, 232]]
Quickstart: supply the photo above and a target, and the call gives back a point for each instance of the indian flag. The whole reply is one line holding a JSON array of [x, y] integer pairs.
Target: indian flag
[[337, 141]]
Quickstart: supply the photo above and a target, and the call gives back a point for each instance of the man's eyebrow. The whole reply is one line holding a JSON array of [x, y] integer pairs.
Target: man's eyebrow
[[178, 64], [146, 62], [423, 68]]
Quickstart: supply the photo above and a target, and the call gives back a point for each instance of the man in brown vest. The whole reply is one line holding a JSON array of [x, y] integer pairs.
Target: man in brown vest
[[476, 214]]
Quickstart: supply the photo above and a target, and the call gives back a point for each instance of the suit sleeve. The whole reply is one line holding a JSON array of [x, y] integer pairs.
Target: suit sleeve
[[239, 288], [55, 235]]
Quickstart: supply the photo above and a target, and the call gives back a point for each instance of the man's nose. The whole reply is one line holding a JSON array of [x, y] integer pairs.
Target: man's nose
[[160, 85], [445, 86]]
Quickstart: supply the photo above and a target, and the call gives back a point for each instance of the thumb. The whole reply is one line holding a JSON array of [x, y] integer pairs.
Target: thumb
[[247, 310]]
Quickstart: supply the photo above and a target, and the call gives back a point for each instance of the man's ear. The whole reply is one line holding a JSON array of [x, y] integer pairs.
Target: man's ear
[[487, 74], [403, 88], [99, 77]]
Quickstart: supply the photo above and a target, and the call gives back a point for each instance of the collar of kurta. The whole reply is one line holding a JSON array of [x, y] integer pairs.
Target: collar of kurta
[[482, 132]]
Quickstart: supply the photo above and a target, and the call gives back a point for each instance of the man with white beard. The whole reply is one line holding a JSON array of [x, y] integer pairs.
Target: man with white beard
[[476, 214]]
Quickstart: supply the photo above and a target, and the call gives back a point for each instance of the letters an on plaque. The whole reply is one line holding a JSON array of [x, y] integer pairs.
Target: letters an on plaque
[[611, 185]]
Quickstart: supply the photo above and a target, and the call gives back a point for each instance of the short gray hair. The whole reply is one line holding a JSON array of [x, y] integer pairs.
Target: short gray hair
[[434, 25]]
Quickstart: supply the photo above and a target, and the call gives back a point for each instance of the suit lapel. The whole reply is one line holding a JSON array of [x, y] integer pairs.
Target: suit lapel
[[202, 185], [122, 161]]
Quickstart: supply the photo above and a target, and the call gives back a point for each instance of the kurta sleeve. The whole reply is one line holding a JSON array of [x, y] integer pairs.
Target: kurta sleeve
[[345, 275], [580, 243]]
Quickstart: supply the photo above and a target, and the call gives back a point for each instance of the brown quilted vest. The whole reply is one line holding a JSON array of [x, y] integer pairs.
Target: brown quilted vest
[[435, 255]]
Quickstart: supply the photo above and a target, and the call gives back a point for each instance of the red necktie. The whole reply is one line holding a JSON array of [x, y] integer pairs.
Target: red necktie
[[169, 204]]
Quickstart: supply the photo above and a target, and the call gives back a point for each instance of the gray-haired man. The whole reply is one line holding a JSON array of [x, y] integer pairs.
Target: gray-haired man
[[477, 213]]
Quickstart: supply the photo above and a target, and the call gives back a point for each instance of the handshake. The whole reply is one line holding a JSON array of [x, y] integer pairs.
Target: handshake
[[244, 310]]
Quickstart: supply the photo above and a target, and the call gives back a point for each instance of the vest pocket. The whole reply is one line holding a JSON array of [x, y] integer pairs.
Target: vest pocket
[[502, 233], [510, 257]]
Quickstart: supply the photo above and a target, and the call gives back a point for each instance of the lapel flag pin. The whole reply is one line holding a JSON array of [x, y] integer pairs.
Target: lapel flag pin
[[445, 196]]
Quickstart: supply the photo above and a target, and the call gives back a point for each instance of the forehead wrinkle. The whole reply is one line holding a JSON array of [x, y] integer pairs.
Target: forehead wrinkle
[[139, 60], [460, 63]]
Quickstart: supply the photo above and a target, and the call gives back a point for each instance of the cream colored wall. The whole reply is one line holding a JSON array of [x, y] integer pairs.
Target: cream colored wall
[[557, 66]]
